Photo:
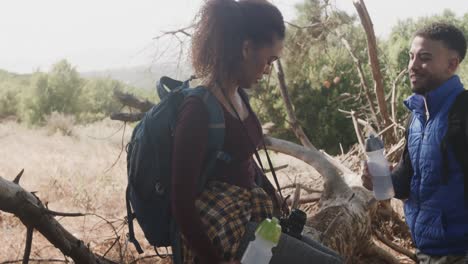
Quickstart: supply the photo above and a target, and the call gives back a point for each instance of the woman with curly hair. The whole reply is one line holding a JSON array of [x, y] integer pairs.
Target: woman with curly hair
[[233, 46]]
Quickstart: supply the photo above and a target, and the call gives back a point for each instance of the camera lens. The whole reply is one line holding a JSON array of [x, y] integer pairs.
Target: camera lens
[[297, 220]]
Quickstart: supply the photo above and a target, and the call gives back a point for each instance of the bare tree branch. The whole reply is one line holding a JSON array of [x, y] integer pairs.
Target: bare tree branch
[[143, 258], [364, 85], [130, 100], [127, 117], [314, 25], [358, 131], [63, 214], [305, 188], [27, 249], [277, 168], [376, 251], [296, 197], [14, 199], [403, 72], [373, 59], [395, 247], [311, 198], [18, 177], [175, 32], [297, 129], [35, 260]]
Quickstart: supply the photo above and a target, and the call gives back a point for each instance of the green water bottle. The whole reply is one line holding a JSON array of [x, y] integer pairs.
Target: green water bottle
[[267, 237]]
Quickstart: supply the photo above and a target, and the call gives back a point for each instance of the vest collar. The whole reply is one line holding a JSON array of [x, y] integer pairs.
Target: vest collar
[[435, 99]]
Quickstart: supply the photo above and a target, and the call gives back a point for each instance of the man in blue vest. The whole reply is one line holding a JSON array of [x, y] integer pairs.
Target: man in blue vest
[[435, 208]]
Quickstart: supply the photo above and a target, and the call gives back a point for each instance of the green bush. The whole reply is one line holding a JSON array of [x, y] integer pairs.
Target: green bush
[[33, 98]]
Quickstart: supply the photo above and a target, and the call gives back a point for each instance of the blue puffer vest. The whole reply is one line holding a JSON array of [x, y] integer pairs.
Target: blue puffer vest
[[435, 211]]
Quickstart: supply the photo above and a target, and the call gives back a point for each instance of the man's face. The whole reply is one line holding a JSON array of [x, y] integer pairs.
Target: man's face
[[431, 64]]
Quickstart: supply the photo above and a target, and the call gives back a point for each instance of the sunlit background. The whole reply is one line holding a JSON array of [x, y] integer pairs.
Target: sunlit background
[[108, 34]]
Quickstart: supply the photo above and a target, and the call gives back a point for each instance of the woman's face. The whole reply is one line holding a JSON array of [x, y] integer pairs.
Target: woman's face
[[258, 61]]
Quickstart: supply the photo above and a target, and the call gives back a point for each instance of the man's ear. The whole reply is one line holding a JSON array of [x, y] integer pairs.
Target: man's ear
[[454, 62], [246, 49]]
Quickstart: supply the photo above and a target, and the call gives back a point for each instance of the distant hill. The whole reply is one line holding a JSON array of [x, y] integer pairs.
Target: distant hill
[[141, 76]]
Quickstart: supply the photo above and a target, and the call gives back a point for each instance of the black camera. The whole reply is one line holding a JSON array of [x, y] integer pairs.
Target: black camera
[[294, 223]]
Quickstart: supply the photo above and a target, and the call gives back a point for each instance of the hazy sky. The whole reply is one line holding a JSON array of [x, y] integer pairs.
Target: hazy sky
[[102, 34]]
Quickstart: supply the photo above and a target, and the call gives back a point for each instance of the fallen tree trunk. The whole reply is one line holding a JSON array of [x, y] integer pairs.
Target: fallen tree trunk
[[34, 215], [343, 221]]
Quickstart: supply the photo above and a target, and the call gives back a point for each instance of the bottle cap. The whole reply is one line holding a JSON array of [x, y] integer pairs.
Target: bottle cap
[[373, 143], [269, 230]]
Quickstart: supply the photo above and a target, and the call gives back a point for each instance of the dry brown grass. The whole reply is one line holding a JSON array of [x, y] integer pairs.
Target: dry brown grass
[[70, 174]]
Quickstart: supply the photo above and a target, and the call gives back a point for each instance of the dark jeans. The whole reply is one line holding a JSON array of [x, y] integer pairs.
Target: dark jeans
[[292, 250]]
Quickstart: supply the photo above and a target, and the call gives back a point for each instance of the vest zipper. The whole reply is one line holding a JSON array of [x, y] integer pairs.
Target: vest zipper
[[426, 108]]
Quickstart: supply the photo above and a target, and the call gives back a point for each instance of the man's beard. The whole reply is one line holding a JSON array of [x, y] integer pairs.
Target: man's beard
[[420, 89], [427, 85]]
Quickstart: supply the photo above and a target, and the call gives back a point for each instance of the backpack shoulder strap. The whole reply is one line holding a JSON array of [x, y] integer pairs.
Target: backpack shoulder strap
[[216, 131], [407, 126], [461, 151], [457, 137], [166, 85]]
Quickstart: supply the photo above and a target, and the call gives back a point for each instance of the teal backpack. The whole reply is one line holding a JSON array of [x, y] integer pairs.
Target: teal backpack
[[149, 153]]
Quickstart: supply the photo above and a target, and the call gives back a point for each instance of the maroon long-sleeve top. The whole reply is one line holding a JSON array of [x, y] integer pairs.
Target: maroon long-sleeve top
[[189, 152]]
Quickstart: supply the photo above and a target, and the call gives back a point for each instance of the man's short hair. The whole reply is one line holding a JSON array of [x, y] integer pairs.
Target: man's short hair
[[451, 36]]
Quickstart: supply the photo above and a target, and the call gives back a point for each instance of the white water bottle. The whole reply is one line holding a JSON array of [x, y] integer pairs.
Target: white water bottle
[[267, 236], [379, 168]]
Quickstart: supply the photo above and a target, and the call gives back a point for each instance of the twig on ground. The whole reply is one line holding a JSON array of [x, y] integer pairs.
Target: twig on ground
[[305, 188], [142, 258], [394, 246], [27, 250], [277, 168], [121, 150], [34, 260]]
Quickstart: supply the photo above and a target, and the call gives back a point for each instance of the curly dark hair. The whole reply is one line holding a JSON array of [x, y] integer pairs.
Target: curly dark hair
[[221, 28], [451, 36]]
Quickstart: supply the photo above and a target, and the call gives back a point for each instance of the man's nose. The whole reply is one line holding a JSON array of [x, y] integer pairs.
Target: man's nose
[[414, 64]]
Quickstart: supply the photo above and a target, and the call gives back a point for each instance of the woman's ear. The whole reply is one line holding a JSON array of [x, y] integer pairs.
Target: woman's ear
[[246, 49]]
